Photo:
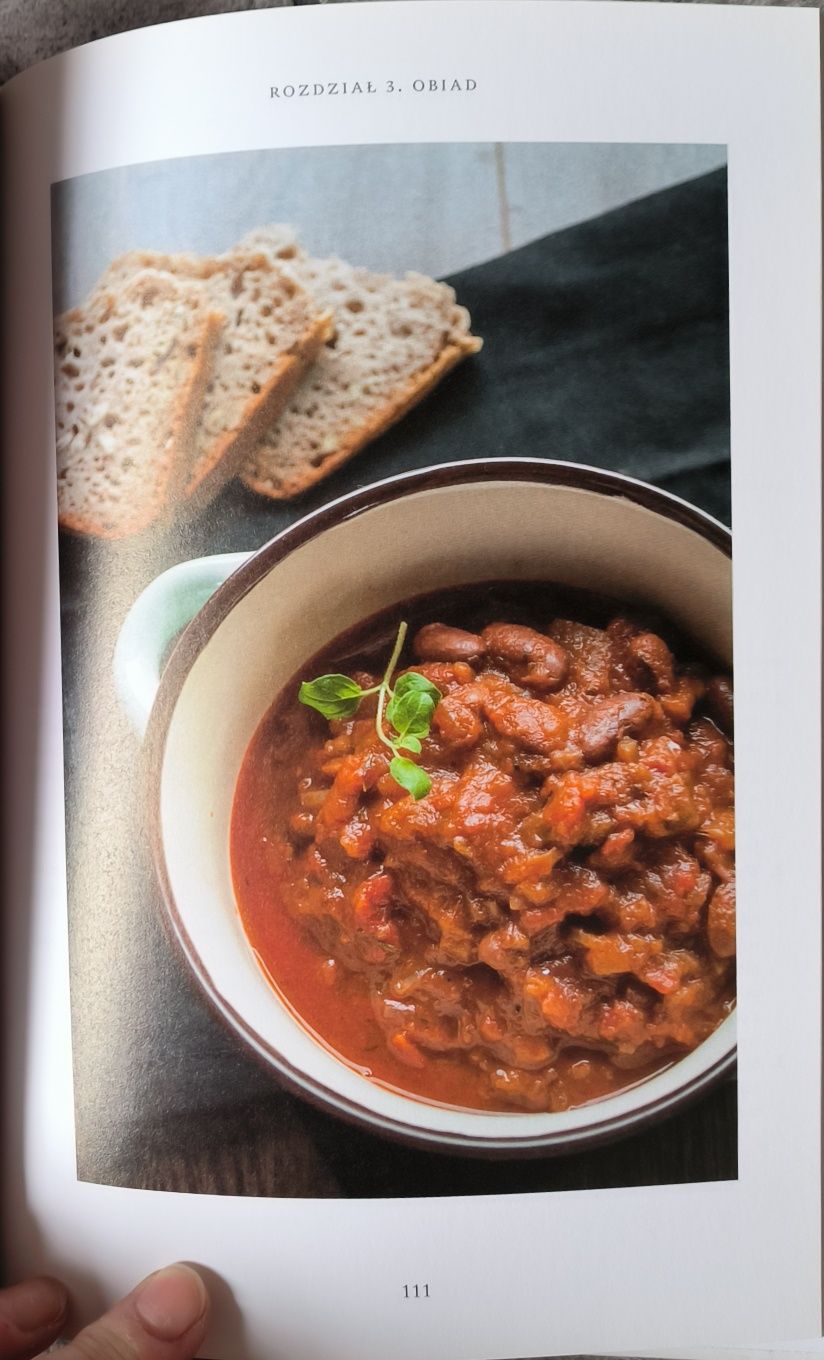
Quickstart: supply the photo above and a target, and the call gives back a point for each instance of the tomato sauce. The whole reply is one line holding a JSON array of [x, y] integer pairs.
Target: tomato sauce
[[555, 920]]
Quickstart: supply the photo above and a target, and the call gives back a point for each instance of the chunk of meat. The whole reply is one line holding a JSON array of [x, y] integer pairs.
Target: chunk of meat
[[717, 859], [531, 723], [487, 811], [721, 920], [644, 956], [616, 853], [458, 722], [376, 938], [624, 1022], [506, 950], [719, 827], [444, 912], [576, 795], [428, 1009], [531, 658], [590, 655], [355, 773], [357, 838], [532, 873], [562, 1000], [679, 701], [670, 807], [676, 887], [574, 890], [628, 670], [447, 676], [720, 702], [530, 1052], [711, 746], [526, 1090]]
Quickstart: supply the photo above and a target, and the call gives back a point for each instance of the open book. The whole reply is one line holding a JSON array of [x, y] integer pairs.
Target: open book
[[412, 429]]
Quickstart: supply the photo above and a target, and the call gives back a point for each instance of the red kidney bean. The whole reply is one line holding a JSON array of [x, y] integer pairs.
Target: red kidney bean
[[439, 642], [657, 657], [528, 656], [619, 715]]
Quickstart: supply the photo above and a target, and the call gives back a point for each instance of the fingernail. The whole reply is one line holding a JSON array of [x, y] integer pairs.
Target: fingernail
[[34, 1305], [171, 1302]]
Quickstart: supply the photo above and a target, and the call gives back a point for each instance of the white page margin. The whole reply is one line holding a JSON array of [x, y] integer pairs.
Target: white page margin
[[596, 72]]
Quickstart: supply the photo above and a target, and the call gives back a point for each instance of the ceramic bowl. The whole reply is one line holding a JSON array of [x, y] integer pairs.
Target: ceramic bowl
[[254, 620]]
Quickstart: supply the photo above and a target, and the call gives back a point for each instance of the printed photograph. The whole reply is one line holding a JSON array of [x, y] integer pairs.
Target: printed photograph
[[393, 492]]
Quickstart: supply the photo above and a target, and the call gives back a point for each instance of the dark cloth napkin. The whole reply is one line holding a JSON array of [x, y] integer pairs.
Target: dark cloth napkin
[[606, 344]]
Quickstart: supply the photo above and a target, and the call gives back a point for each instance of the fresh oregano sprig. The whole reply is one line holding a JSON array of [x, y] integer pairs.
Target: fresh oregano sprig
[[407, 708]]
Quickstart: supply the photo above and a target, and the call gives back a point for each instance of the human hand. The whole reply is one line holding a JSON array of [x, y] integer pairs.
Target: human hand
[[164, 1318]]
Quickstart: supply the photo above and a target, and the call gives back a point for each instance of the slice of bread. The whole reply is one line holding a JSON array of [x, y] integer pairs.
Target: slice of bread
[[272, 334], [394, 341], [131, 371]]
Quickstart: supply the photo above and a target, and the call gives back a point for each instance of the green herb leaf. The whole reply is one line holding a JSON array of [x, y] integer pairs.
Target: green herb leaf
[[409, 744], [335, 696], [411, 714], [410, 777], [412, 682], [408, 708]]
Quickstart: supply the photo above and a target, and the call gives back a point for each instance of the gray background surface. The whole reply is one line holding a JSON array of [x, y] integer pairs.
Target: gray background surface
[[437, 209]]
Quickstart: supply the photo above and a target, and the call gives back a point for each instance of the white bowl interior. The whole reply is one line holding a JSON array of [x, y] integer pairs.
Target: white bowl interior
[[419, 542]]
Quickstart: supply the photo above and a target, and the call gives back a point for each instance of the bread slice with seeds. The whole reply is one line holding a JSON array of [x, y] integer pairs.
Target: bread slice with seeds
[[131, 371], [273, 332], [395, 339]]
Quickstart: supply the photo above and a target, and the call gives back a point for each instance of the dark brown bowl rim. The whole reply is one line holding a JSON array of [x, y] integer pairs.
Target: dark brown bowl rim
[[183, 656]]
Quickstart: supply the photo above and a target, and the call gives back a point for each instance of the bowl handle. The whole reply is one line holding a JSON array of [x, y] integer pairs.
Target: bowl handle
[[153, 623]]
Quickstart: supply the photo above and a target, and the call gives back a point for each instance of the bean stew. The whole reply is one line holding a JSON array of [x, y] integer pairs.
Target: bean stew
[[555, 919]]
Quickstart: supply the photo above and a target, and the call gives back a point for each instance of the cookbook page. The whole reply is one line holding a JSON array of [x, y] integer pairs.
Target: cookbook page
[[411, 455]]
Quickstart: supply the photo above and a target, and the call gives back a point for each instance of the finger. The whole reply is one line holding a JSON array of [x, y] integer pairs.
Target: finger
[[163, 1319], [31, 1315]]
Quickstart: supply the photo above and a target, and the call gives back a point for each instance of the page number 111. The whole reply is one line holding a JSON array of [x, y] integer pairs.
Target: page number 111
[[416, 1291]]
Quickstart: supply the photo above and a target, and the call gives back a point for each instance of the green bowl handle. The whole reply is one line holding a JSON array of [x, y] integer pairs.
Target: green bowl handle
[[153, 623]]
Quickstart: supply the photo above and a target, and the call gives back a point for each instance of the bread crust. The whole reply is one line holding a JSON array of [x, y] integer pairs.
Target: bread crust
[[415, 391], [229, 453]]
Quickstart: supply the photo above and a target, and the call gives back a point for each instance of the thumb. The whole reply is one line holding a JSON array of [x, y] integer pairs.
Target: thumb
[[31, 1316], [164, 1318]]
